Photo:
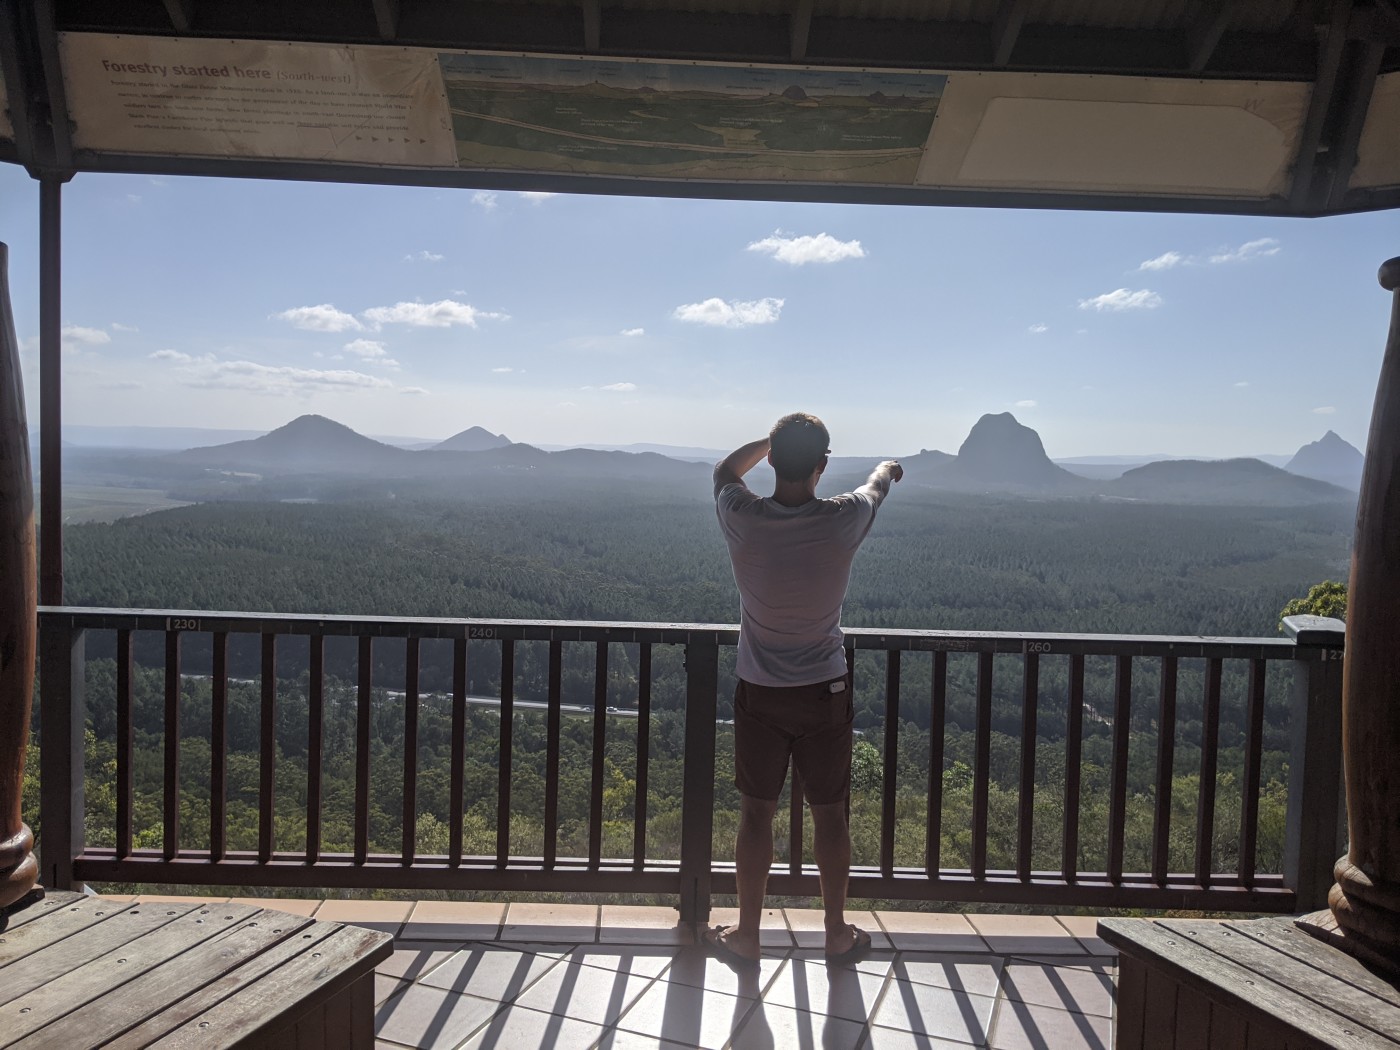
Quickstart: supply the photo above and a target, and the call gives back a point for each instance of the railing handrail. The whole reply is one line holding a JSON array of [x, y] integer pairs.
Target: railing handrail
[[913, 640]]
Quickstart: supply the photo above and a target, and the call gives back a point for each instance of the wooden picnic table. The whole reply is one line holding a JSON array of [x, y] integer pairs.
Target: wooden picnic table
[[1242, 984], [79, 971]]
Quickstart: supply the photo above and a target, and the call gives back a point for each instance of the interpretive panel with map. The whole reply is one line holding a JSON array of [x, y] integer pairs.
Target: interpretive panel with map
[[680, 120], [221, 98]]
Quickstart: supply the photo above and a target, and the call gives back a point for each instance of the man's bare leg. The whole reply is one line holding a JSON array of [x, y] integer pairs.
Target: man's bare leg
[[831, 842], [753, 857]]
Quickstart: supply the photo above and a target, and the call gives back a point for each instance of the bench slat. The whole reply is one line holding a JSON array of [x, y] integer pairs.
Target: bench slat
[[175, 980]]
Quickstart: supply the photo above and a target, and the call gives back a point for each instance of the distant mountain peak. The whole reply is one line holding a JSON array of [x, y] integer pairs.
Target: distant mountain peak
[[473, 439], [1331, 458]]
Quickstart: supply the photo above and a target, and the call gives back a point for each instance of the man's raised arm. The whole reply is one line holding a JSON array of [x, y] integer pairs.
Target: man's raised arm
[[743, 459], [882, 477]]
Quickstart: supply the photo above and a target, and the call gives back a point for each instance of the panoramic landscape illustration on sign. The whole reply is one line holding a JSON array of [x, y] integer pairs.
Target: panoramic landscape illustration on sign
[[663, 120]]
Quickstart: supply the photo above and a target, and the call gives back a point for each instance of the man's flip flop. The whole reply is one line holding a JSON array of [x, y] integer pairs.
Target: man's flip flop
[[714, 937], [855, 952]]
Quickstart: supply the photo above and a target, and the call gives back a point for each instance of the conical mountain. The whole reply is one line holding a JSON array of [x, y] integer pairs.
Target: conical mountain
[[1001, 453], [308, 444], [473, 439], [1330, 459]]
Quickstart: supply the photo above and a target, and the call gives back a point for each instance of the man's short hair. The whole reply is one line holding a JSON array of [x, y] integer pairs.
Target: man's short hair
[[797, 444]]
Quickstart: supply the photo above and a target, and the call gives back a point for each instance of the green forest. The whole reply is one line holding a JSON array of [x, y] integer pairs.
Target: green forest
[[610, 551]]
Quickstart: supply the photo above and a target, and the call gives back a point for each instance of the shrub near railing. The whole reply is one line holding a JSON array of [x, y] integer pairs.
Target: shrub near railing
[[300, 777]]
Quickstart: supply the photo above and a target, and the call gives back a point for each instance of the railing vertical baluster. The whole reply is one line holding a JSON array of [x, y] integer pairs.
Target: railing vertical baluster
[[1205, 806], [315, 738], [1118, 782], [1074, 745], [1253, 755], [553, 720], [600, 740], [172, 745], [267, 734], [218, 750], [639, 805], [125, 740], [506, 753], [457, 777], [889, 792], [795, 829], [410, 751], [1025, 820], [365, 673], [1166, 757], [698, 776], [982, 773], [938, 731]]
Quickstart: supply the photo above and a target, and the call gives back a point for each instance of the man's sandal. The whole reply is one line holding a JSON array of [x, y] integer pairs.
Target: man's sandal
[[857, 950]]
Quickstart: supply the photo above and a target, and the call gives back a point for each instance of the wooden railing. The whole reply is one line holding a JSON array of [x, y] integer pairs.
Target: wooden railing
[[1136, 695]]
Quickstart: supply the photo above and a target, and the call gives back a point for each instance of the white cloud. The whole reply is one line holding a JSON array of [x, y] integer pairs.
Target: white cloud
[[171, 355], [277, 379], [322, 318], [1249, 250], [731, 314], [503, 370], [798, 251], [1165, 261], [535, 196], [1241, 384], [412, 390], [621, 388], [484, 199], [423, 256], [122, 384], [1325, 410], [1038, 327], [118, 327], [442, 314], [1122, 299], [366, 349], [1025, 404], [91, 336], [632, 332]]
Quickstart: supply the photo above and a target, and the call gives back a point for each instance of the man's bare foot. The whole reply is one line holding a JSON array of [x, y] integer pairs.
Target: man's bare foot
[[846, 943], [733, 945]]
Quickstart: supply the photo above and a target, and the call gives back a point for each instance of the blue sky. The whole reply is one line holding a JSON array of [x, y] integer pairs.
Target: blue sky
[[563, 319]]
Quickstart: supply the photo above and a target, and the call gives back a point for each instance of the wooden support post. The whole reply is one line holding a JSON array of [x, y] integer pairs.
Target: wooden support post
[[18, 602], [1315, 811], [1366, 899], [698, 791]]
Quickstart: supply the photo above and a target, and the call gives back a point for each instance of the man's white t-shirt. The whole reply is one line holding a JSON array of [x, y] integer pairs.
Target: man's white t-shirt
[[792, 565]]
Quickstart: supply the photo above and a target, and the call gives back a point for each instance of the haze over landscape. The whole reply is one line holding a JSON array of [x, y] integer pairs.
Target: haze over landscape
[[573, 320]]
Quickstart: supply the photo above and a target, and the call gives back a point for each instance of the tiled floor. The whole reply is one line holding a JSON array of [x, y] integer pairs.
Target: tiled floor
[[575, 977]]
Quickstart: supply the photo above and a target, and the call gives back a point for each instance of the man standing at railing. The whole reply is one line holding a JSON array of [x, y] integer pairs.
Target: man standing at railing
[[791, 554]]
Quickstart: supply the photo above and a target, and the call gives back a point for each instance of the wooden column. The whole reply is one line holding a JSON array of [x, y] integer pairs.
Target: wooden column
[[1365, 901], [18, 598]]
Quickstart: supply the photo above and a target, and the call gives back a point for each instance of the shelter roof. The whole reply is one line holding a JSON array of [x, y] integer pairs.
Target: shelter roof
[[1245, 106]]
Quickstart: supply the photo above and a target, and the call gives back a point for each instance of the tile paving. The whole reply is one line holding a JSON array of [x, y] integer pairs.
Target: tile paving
[[475, 976]]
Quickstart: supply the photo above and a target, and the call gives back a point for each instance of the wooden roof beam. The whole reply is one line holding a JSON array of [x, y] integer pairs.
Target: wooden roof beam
[[1329, 63], [386, 17], [1204, 34], [592, 25], [1006, 27], [181, 14], [1342, 155], [800, 28]]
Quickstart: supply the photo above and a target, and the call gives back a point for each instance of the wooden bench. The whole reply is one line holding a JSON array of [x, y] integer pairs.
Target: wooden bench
[[1244, 984], [79, 971]]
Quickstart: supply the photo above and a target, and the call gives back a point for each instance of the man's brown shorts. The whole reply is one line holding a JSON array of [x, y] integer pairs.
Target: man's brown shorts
[[809, 722]]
